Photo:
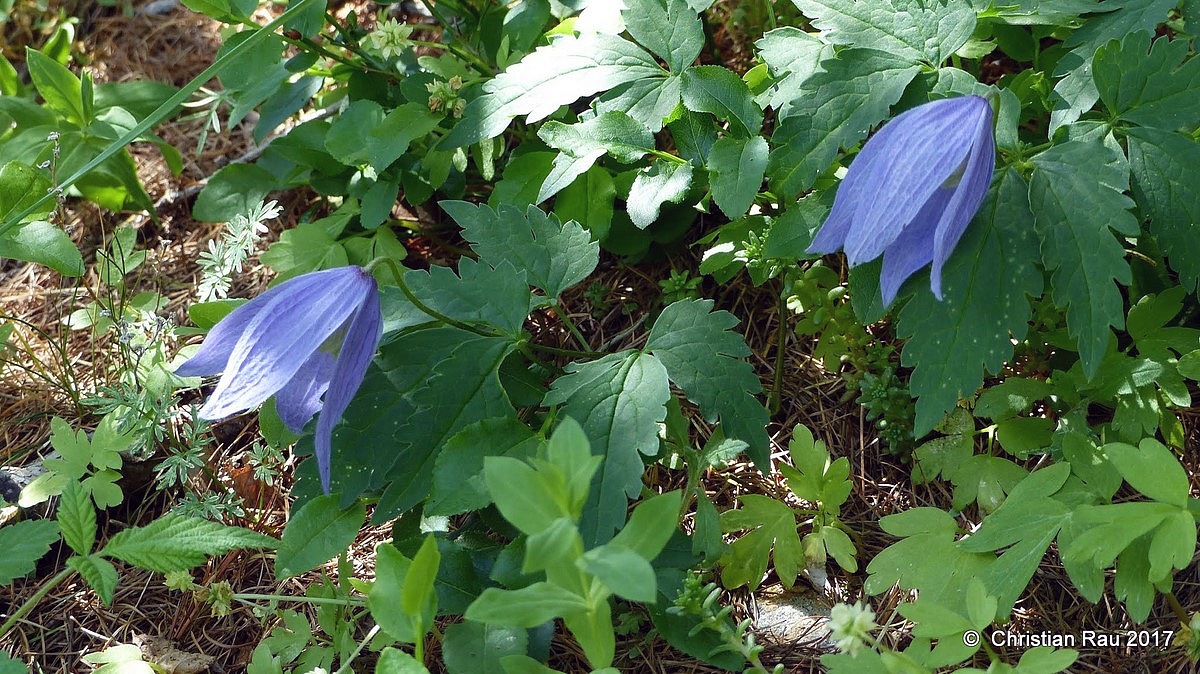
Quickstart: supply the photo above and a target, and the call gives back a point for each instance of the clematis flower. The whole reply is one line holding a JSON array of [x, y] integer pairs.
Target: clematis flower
[[912, 190], [310, 336]]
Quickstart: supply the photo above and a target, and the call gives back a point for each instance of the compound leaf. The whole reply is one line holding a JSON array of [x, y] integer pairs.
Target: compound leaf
[[554, 255], [580, 145], [100, 575], [1077, 245], [178, 543], [24, 543], [461, 296], [458, 484], [669, 28], [849, 94], [701, 353], [910, 29], [986, 285], [773, 525], [1158, 89], [619, 400], [1167, 187], [719, 91]]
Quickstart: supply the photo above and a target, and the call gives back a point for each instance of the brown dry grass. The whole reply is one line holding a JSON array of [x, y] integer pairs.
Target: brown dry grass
[[71, 620]]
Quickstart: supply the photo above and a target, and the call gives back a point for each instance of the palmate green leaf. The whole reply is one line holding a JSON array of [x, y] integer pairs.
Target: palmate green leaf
[[1159, 89], [580, 145], [619, 400], [1152, 469], [927, 558], [849, 94], [735, 172], [364, 134], [1076, 92], [475, 648], [773, 526], [911, 29], [669, 28], [793, 56], [100, 575], [662, 182], [1077, 245], [24, 543], [701, 353], [178, 543], [1167, 188], [550, 77], [460, 390], [986, 286], [720, 92], [554, 255]]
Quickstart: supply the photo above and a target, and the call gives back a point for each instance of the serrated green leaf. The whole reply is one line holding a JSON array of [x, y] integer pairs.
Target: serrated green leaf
[[1168, 190], [735, 172], [459, 390], [24, 543], [475, 648], [719, 91], [1077, 245], [662, 182], [793, 56], [458, 484], [773, 525], [1010, 397], [669, 28], [694, 135], [849, 94], [364, 134], [59, 87], [77, 518], [701, 353], [550, 77], [100, 575], [986, 286], [178, 543], [624, 572], [319, 531], [580, 145], [1158, 89], [554, 255], [527, 607], [1152, 469], [911, 29], [649, 101], [459, 295], [619, 399]]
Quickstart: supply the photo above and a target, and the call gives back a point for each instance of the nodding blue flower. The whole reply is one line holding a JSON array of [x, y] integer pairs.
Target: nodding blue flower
[[310, 336], [912, 190]]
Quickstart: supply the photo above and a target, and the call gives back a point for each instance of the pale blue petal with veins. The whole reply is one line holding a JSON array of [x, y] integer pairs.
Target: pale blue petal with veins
[[912, 190], [308, 337]]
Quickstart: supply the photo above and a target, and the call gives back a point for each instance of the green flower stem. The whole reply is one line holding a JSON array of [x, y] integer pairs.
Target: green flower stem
[[33, 601], [562, 316], [359, 649], [251, 598], [427, 310], [775, 399], [161, 112]]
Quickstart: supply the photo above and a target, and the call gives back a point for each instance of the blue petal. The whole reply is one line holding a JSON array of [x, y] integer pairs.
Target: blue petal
[[301, 398], [279, 340], [913, 248], [901, 167], [968, 196], [213, 355], [358, 347]]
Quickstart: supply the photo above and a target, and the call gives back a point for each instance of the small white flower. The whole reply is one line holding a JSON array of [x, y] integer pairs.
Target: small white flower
[[390, 38], [850, 626]]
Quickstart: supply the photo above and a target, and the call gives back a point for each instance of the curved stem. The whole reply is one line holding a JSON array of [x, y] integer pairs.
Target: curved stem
[[426, 309], [562, 316], [33, 601]]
